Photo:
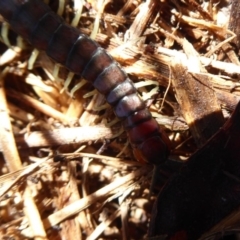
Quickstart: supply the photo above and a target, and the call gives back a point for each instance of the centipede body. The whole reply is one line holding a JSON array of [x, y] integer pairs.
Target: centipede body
[[66, 45]]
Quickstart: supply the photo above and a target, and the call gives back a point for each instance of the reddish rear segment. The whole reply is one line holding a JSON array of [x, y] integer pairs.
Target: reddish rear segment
[[45, 30]]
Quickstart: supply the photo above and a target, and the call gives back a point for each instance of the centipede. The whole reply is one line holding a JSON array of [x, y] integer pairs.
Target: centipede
[[71, 48], [66, 45]]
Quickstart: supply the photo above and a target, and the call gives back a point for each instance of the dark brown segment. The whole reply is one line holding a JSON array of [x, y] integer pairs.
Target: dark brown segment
[[110, 77], [44, 30], [9, 8], [99, 61], [136, 118], [26, 17], [128, 105], [61, 43], [80, 54], [125, 88]]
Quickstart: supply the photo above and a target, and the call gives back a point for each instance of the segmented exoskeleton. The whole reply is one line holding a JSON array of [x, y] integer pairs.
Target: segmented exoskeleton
[[45, 30]]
